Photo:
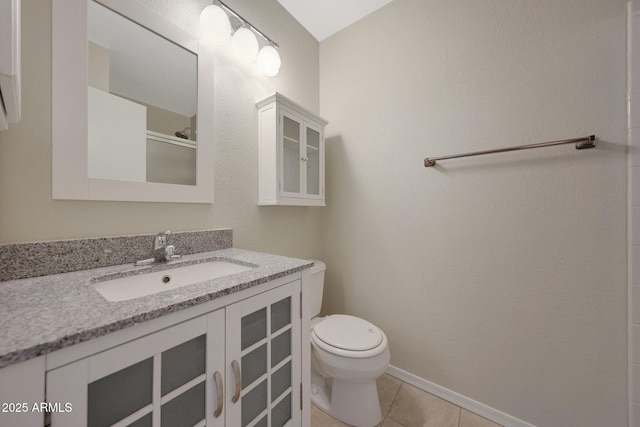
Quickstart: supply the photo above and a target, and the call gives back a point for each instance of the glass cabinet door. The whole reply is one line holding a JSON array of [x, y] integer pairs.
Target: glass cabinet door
[[156, 380], [266, 382], [313, 161], [127, 395], [291, 148]]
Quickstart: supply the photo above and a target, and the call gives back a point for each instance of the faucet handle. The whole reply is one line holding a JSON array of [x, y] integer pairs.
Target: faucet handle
[[170, 253]]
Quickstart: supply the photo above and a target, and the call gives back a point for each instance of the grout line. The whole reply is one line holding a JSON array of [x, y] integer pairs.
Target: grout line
[[394, 401], [395, 396]]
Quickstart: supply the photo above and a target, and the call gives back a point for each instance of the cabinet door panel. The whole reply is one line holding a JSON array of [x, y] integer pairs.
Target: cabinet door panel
[[22, 382], [313, 156], [280, 314], [146, 421], [118, 395], [281, 413], [254, 327], [162, 379], [280, 381], [291, 149], [254, 403], [185, 410], [254, 365], [183, 363], [280, 347], [216, 348], [263, 422], [69, 384], [277, 356]]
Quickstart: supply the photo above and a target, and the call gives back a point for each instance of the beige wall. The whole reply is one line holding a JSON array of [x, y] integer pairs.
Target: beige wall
[[502, 278], [28, 213]]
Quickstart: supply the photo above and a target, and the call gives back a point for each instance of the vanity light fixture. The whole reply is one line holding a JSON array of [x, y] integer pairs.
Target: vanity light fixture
[[216, 27], [268, 61], [245, 45]]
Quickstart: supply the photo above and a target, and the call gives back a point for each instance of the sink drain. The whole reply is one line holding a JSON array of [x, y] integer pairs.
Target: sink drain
[[166, 279]]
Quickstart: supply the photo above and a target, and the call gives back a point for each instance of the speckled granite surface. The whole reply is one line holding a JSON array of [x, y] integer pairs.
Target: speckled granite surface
[[22, 260], [43, 314]]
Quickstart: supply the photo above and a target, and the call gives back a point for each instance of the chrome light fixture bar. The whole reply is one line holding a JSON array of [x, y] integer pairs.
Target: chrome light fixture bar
[[247, 23]]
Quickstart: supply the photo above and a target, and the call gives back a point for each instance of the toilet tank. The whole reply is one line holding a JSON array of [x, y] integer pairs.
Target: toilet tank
[[317, 287]]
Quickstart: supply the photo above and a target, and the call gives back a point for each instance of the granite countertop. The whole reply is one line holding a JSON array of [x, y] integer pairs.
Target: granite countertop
[[43, 314]]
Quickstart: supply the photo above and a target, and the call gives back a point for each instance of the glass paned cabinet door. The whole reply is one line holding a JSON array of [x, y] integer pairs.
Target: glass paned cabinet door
[[157, 380], [313, 161], [269, 376], [291, 154]]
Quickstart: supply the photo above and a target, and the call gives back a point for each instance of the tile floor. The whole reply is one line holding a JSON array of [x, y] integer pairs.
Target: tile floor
[[406, 406]]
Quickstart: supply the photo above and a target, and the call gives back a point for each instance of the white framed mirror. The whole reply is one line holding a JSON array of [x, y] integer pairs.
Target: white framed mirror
[[132, 106]]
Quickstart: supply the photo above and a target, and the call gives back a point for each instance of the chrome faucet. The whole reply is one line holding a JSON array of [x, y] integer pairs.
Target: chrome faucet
[[161, 251]]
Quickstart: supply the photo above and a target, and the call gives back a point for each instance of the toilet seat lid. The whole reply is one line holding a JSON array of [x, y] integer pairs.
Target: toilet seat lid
[[348, 333]]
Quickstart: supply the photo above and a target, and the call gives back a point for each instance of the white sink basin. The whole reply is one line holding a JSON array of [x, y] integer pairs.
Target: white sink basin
[[130, 287]]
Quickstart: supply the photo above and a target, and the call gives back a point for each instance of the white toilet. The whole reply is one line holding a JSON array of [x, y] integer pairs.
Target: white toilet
[[348, 354]]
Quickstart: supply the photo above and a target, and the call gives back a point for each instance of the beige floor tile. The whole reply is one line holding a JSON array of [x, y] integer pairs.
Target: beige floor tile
[[388, 387], [416, 408], [320, 419], [469, 419], [390, 423]]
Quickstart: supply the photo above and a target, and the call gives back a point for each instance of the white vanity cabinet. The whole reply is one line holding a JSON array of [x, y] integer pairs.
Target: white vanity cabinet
[[236, 366], [291, 154], [22, 394]]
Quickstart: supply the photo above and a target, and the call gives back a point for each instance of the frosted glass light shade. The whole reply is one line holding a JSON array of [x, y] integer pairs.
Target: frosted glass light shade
[[214, 25], [245, 45], [268, 61]]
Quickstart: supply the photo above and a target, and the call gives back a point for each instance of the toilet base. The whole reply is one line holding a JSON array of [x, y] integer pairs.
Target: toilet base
[[354, 403]]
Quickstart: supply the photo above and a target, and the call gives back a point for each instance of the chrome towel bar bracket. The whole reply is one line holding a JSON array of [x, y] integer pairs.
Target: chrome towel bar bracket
[[581, 144]]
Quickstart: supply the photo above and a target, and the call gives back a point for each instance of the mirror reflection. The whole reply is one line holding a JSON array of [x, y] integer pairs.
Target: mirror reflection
[[142, 103]]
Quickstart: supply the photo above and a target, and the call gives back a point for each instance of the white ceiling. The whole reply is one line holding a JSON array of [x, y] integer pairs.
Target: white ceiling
[[323, 18]]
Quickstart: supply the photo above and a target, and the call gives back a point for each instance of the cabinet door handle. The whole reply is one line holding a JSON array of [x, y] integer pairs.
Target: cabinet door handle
[[236, 372], [220, 393]]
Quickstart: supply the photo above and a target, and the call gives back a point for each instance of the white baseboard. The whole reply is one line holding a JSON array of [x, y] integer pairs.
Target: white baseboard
[[470, 405]]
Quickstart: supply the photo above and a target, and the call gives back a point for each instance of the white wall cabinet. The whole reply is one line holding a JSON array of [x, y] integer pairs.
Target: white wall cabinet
[[236, 366], [291, 154]]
